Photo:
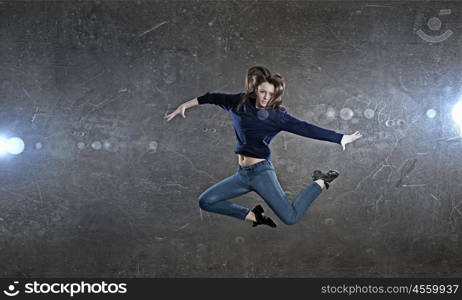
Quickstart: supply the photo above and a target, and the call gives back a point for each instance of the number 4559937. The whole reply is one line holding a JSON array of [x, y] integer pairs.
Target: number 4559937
[[435, 289]]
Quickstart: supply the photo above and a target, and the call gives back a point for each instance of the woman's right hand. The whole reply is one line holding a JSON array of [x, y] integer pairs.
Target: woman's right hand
[[180, 110], [350, 138]]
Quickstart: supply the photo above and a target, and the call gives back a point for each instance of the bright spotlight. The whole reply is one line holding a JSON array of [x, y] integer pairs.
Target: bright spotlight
[[3, 146], [457, 113], [12, 145], [15, 145]]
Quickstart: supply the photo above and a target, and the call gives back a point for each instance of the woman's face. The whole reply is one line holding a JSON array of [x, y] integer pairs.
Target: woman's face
[[264, 93]]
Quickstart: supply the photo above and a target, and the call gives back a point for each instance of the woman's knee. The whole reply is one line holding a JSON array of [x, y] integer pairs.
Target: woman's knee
[[205, 201], [289, 219]]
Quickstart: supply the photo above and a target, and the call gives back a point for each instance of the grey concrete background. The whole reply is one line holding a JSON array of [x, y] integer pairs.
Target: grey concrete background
[[106, 187]]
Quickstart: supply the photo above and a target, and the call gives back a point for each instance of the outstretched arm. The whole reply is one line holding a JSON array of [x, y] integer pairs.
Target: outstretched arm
[[181, 109], [225, 101], [292, 124]]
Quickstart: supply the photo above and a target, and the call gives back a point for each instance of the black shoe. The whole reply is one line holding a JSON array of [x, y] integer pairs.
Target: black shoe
[[261, 218], [329, 177]]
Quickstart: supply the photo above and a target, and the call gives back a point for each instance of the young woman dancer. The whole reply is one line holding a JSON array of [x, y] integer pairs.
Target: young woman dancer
[[257, 116]]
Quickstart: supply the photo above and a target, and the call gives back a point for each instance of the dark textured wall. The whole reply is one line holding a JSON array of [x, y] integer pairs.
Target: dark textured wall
[[106, 187]]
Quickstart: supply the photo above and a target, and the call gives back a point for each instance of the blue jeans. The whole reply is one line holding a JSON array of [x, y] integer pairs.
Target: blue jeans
[[260, 178]]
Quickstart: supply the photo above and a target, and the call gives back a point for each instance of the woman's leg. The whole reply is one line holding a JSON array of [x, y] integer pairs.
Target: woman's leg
[[266, 184], [214, 198]]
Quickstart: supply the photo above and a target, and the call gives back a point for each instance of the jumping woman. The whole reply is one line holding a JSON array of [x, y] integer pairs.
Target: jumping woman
[[258, 116]]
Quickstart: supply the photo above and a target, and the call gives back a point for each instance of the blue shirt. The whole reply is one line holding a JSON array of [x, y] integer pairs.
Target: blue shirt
[[255, 128]]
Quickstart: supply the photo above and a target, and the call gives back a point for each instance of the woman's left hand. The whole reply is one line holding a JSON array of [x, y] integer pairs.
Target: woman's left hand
[[349, 138]]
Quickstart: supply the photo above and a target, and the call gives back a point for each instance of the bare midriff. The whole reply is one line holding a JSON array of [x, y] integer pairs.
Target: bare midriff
[[245, 161]]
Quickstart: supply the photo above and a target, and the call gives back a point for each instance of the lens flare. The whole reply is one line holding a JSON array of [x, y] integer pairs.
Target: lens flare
[[457, 113], [12, 145], [15, 145], [3, 146]]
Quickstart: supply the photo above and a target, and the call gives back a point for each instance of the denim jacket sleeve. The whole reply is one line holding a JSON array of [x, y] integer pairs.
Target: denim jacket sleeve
[[292, 124], [225, 101]]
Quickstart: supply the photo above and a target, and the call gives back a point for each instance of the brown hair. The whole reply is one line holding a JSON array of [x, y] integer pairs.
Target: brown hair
[[254, 77]]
